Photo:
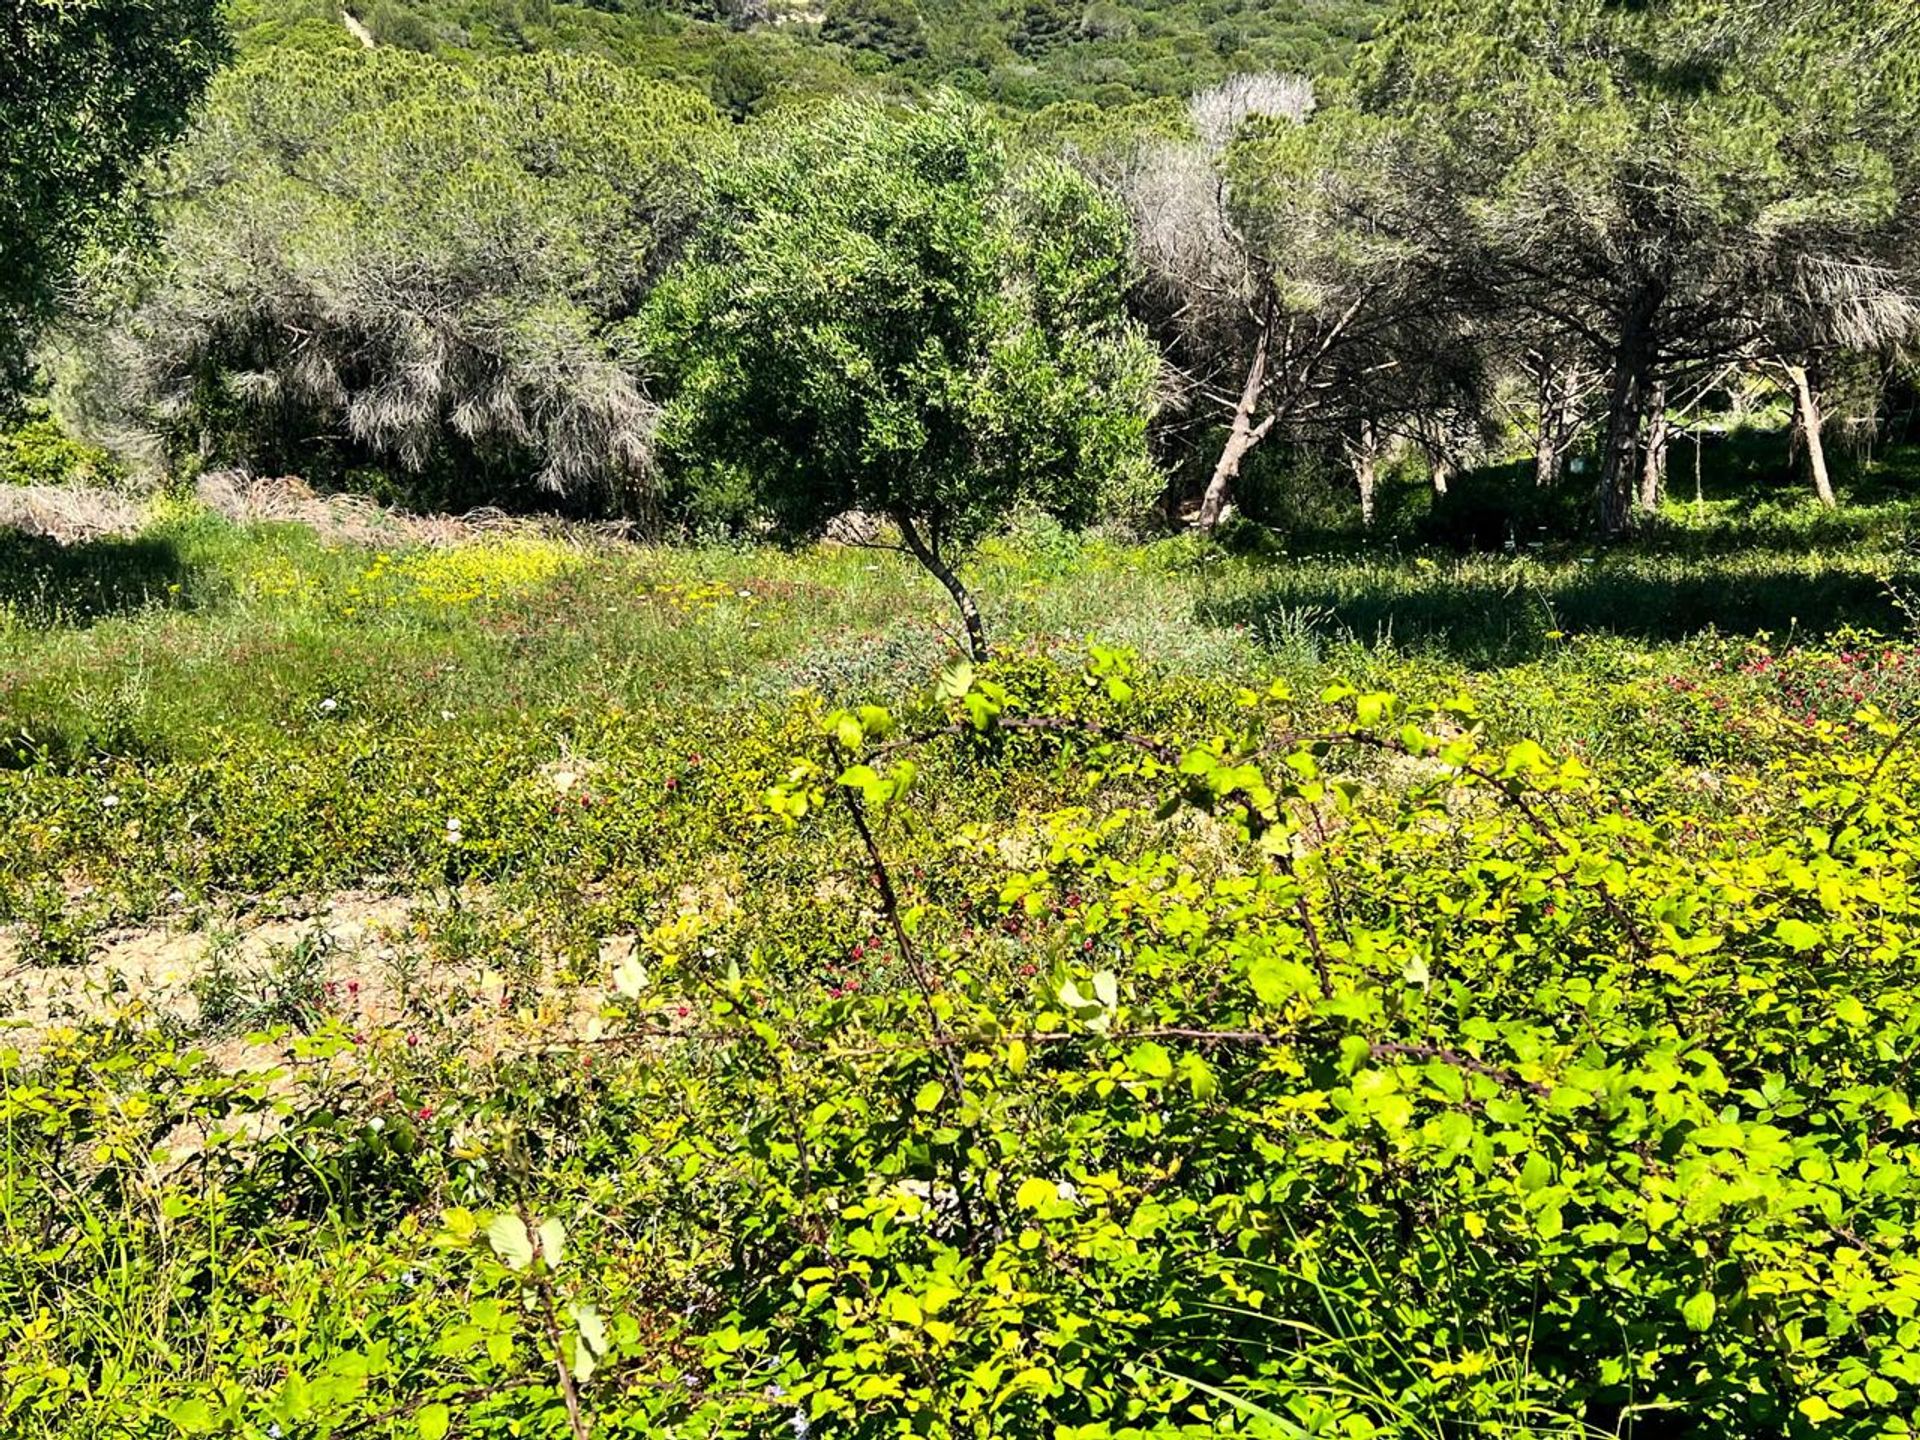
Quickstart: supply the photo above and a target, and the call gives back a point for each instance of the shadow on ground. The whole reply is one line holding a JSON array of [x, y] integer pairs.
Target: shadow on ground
[[46, 583], [1486, 619]]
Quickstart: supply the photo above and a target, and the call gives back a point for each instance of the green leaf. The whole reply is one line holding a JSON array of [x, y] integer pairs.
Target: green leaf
[[929, 1096], [1796, 934], [1277, 981], [192, 1416], [432, 1421], [1035, 1192], [1150, 1057], [1536, 1173], [956, 680], [510, 1241], [592, 1328], [553, 1240], [1698, 1312]]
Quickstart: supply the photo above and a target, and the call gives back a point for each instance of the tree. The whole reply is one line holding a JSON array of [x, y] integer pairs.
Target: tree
[[1042, 26], [883, 313], [890, 29], [377, 258], [1632, 177], [1272, 304], [87, 88], [1822, 310]]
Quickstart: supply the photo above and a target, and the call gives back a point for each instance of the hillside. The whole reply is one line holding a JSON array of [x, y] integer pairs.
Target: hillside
[[1021, 53]]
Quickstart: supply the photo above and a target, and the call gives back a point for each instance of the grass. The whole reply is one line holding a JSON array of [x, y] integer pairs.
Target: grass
[[196, 630], [212, 711]]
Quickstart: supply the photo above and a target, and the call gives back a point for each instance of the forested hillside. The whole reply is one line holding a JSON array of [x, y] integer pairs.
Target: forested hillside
[[1021, 53]]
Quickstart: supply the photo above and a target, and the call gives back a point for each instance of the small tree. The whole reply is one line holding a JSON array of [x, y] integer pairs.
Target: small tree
[[883, 314], [87, 87]]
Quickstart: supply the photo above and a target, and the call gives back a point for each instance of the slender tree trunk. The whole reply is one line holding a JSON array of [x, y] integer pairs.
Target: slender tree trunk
[[1615, 491], [1807, 423], [1363, 454], [1442, 470], [1243, 436], [1653, 463], [930, 558], [1551, 447]]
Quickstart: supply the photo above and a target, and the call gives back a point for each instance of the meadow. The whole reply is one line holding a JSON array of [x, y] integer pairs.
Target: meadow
[[536, 983]]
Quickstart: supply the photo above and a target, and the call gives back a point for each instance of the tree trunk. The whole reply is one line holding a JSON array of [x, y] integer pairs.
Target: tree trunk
[[1442, 470], [1241, 438], [1653, 464], [1547, 467], [938, 568], [1807, 423], [1363, 454], [1627, 397], [1553, 410], [1615, 493]]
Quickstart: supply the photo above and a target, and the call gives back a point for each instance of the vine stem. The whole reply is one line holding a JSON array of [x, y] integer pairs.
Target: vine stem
[[896, 922], [569, 1394], [1042, 724], [1249, 1039]]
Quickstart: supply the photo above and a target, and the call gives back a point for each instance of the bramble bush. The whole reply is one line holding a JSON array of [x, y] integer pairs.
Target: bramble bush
[[1348, 1071]]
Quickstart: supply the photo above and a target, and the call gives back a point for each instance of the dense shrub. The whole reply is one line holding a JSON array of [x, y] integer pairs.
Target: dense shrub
[[1348, 1072], [37, 450], [378, 257]]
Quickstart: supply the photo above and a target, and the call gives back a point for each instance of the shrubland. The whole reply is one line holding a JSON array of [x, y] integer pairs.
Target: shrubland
[[791, 1026], [749, 54], [1423, 951]]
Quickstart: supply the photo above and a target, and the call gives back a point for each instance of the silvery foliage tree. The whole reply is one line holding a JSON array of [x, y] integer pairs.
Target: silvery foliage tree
[[1204, 289], [1278, 317], [405, 262]]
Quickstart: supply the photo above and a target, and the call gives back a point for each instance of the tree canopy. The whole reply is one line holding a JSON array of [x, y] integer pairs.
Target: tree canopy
[[87, 88], [1637, 182], [377, 255], [885, 312]]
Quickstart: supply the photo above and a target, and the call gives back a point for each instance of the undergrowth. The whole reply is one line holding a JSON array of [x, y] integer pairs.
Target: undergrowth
[[1500, 1022]]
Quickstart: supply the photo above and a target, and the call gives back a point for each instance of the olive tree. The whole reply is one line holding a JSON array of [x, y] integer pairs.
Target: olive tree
[[885, 313]]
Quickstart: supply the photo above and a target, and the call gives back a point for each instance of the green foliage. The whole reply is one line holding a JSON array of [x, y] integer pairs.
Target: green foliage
[[1323, 1064], [37, 450], [1105, 53], [1656, 188], [890, 29], [425, 265], [883, 314], [87, 88]]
